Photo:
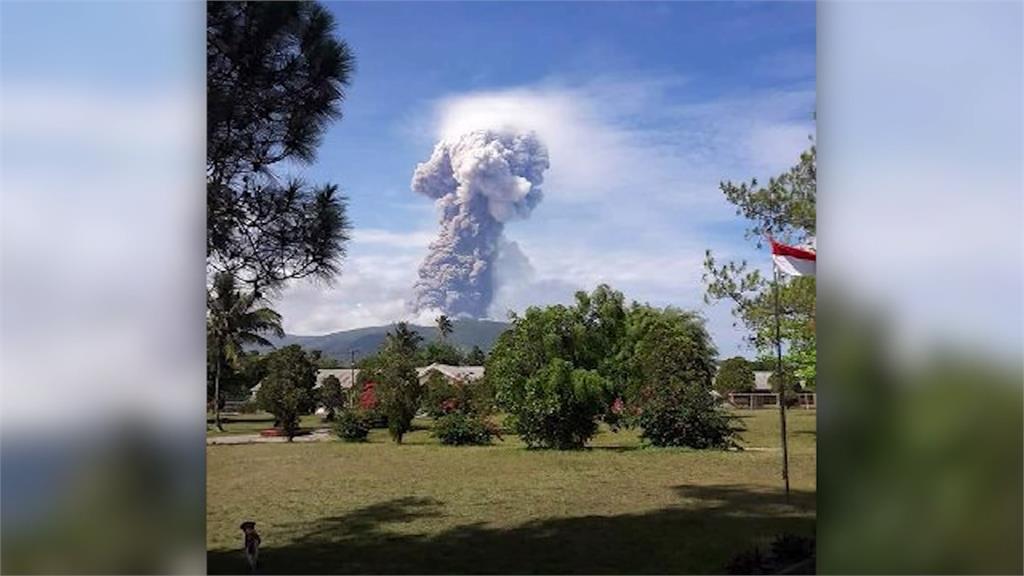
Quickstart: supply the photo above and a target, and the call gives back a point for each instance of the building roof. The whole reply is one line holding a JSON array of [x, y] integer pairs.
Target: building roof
[[348, 376], [464, 373], [344, 375]]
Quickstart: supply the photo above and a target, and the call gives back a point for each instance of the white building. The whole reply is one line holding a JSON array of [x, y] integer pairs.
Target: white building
[[349, 376]]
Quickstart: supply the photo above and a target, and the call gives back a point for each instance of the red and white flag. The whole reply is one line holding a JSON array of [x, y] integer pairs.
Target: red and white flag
[[793, 261]]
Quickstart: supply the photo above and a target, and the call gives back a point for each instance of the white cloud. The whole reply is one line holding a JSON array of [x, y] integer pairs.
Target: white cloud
[[394, 239]]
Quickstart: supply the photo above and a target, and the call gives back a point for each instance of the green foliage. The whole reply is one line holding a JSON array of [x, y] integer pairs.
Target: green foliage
[[804, 362], [402, 341], [444, 326], [332, 397], [546, 370], [666, 346], [352, 425], [587, 335], [249, 407], [680, 414], [234, 319], [790, 380], [287, 390], [276, 76], [561, 368], [398, 388], [786, 207], [461, 429], [785, 210], [557, 407], [328, 362], [792, 384], [735, 375], [476, 357], [440, 352], [441, 395], [670, 362], [399, 395]]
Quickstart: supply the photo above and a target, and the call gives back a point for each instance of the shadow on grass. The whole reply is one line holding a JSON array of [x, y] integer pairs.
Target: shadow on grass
[[700, 535]]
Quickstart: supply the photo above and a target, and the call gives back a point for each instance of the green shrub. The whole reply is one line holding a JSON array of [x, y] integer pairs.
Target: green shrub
[[735, 375], [686, 415], [558, 407], [287, 390], [332, 397], [352, 425], [441, 395], [248, 407], [460, 429]]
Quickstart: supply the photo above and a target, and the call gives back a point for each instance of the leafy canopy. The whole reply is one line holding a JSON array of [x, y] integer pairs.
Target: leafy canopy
[[785, 210], [397, 386], [735, 375], [332, 397], [562, 368], [287, 390], [233, 320], [444, 326], [276, 76]]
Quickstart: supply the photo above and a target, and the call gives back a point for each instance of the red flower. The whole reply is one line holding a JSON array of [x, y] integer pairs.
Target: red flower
[[368, 398], [617, 406]]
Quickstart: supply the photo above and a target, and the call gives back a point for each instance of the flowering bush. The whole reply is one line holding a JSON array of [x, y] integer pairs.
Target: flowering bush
[[443, 396], [368, 397]]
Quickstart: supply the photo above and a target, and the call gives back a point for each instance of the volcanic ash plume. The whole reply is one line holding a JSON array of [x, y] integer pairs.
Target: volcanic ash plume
[[479, 180]]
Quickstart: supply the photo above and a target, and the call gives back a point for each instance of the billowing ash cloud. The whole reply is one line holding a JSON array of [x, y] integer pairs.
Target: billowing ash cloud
[[479, 181]]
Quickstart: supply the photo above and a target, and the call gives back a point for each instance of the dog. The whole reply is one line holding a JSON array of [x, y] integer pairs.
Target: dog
[[252, 545]]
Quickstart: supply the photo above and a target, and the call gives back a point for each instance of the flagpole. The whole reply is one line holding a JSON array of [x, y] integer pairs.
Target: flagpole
[[782, 382]]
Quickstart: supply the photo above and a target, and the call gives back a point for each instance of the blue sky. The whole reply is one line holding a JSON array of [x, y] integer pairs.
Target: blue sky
[[644, 107]]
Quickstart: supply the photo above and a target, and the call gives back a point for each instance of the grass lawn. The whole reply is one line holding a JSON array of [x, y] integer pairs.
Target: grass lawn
[[253, 423], [332, 507]]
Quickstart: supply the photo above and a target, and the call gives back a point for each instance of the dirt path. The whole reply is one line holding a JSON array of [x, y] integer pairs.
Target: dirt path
[[315, 436]]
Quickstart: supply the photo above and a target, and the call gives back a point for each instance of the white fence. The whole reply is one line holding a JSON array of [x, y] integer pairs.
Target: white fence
[[756, 400]]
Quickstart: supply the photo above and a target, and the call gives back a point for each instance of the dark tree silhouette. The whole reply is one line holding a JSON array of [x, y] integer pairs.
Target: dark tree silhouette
[[444, 326], [276, 76]]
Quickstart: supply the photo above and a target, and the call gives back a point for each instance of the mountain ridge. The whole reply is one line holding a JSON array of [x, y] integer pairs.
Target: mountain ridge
[[365, 341]]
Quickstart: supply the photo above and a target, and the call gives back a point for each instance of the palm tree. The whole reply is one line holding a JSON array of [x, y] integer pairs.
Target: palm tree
[[444, 326], [232, 321]]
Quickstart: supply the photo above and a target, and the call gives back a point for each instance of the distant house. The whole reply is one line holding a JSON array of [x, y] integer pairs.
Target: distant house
[[344, 375], [464, 374], [761, 380], [349, 376]]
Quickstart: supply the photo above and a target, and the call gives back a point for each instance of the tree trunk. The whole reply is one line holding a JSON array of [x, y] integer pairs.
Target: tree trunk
[[216, 396]]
